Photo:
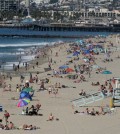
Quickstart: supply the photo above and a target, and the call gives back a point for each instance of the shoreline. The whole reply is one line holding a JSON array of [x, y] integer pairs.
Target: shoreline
[[41, 59], [46, 36]]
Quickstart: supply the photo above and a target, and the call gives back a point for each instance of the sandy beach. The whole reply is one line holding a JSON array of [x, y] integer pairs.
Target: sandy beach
[[60, 105]]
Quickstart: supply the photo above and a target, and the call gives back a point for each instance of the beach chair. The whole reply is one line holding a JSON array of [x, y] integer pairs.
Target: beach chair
[[1, 108]]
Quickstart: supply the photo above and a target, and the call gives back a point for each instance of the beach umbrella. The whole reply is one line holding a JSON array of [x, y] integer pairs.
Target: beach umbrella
[[24, 94], [29, 89], [87, 52], [68, 70], [63, 67], [23, 102], [106, 72], [76, 53]]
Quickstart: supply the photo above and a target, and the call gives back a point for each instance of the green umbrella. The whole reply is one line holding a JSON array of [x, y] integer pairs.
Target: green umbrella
[[106, 72], [28, 89]]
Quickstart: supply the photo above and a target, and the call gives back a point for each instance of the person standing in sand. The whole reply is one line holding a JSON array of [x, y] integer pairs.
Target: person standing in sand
[[49, 89], [6, 116]]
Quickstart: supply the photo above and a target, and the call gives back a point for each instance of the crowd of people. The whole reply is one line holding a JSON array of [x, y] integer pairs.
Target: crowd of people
[[81, 71]]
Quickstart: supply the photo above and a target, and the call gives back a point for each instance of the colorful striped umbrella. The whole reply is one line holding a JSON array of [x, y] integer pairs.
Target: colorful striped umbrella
[[23, 102]]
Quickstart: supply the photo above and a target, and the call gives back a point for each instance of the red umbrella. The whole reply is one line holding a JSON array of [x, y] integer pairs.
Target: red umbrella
[[68, 70]]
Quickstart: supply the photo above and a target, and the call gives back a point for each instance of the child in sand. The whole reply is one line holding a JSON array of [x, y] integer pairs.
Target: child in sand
[[51, 117]]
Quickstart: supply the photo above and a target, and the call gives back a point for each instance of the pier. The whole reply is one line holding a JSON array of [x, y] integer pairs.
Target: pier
[[49, 31]]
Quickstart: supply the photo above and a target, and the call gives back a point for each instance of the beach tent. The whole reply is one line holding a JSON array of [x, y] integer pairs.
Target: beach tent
[[24, 94]]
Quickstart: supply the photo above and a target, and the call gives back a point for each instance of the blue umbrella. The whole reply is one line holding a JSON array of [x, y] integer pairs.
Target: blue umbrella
[[24, 94], [86, 51], [63, 67], [76, 53]]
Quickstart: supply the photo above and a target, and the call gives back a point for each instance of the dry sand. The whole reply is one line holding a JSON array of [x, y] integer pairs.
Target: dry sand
[[61, 105]]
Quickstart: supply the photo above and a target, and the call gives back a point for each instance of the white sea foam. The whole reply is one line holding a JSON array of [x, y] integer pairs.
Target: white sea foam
[[27, 58], [21, 49], [9, 65], [26, 44], [12, 53]]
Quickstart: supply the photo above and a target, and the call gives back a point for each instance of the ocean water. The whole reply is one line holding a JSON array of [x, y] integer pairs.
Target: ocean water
[[12, 48]]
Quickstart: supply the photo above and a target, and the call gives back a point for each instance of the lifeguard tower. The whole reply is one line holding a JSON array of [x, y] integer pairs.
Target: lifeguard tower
[[116, 92]]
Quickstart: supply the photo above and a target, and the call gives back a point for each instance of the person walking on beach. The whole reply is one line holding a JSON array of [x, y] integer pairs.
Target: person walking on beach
[[10, 78], [89, 73], [37, 63], [6, 116], [51, 60], [26, 65], [36, 79], [18, 67]]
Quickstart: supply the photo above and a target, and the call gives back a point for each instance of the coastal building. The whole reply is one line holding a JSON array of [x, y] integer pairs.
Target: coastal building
[[7, 5], [116, 4], [27, 3]]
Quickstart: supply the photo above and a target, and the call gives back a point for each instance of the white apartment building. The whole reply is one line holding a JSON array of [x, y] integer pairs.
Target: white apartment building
[[9, 5]]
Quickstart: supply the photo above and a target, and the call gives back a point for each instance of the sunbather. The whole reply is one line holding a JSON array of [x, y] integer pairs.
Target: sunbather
[[51, 117], [95, 84], [1, 126], [6, 127], [83, 93], [11, 125], [29, 127], [33, 110]]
